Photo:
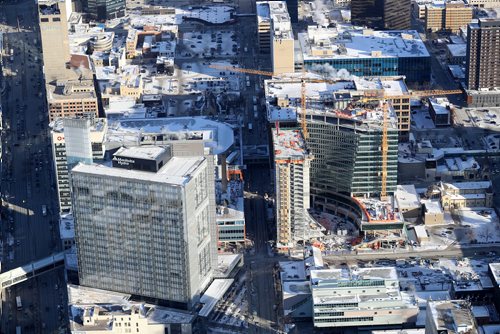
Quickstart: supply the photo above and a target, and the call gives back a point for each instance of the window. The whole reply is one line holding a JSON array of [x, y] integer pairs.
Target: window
[[56, 19]]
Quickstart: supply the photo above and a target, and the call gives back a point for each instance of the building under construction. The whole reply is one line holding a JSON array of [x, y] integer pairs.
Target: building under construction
[[292, 161], [354, 141]]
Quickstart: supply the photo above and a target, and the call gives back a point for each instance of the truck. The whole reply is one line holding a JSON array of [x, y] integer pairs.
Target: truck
[[44, 210], [18, 303]]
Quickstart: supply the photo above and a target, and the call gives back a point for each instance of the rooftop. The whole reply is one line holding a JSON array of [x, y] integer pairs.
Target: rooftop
[[177, 171], [441, 105], [495, 270], [350, 274], [213, 295], [217, 136], [283, 100], [348, 42], [141, 152], [454, 316], [407, 197], [289, 144], [67, 226]]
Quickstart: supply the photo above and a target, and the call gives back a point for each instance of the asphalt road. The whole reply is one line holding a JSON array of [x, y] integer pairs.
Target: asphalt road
[[28, 180]]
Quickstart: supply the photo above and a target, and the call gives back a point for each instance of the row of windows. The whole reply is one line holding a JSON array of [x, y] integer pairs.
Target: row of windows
[[355, 319]]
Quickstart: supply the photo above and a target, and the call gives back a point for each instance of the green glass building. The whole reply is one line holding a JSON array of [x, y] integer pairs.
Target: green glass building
[[348, 158]]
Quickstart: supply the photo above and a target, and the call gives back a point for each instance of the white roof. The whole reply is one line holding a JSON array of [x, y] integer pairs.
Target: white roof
[[495, 270], [407, 197], [141, 152], [215, 135], [214, 293], [440, 105], [177, 171], [289, 144], [433, 207], [367, 44], [67, 226]]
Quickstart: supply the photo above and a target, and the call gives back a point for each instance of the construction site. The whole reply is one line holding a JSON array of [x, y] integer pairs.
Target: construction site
[[339, 156]]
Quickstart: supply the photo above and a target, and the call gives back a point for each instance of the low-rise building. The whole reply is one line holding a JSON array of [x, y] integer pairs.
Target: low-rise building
[[451, 316], [456, 53], [361, 297], [97, 311], [433, 213], [407, 201], [440, 110], [466, 194], [366, 52]]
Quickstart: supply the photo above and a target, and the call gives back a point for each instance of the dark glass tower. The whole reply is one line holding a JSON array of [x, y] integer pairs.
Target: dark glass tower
[[106, 9], [381, 14]]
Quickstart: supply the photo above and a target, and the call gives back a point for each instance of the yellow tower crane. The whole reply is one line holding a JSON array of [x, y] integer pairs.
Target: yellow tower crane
[[385, 98], [302, 78], [385, 119]]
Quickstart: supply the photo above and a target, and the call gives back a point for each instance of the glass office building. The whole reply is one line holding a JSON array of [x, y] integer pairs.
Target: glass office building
[[106, 9], [367, 52], [348, 158]]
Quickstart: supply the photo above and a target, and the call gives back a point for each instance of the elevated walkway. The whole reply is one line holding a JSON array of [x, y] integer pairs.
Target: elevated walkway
[[21, 274]]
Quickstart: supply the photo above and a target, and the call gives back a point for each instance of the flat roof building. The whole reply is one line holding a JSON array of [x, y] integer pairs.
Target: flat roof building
[[451, 316], [127, 217], [483, 54], [275, 35], [73, 141], [363, 297], [72, 98], [367, 52], [53, 19]]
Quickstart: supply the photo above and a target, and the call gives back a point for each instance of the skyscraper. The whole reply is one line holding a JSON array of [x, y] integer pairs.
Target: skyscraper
[[53, 19], [146, 226], [106, 9], [381, 14], [483, 54]]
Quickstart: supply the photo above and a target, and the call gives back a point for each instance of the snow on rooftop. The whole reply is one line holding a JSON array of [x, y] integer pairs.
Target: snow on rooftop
[[289, 144], [141, 152], [67, 226], [495, 270], [215, 135], [210, 14], [432, 207], [351, 274], [351, 43], [292, 270], [177, 171], [407, 197], [213, 294], [441, 105]]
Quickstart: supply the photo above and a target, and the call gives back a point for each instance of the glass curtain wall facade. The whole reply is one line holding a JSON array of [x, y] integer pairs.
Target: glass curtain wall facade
[[348, 159], [106, 9], [416, 69]]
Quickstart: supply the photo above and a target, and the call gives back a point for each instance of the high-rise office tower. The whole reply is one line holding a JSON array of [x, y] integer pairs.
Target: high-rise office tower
[[483, 54], [106, 9], [381, 14], [146, 225], [53, 19], [74, 141]]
